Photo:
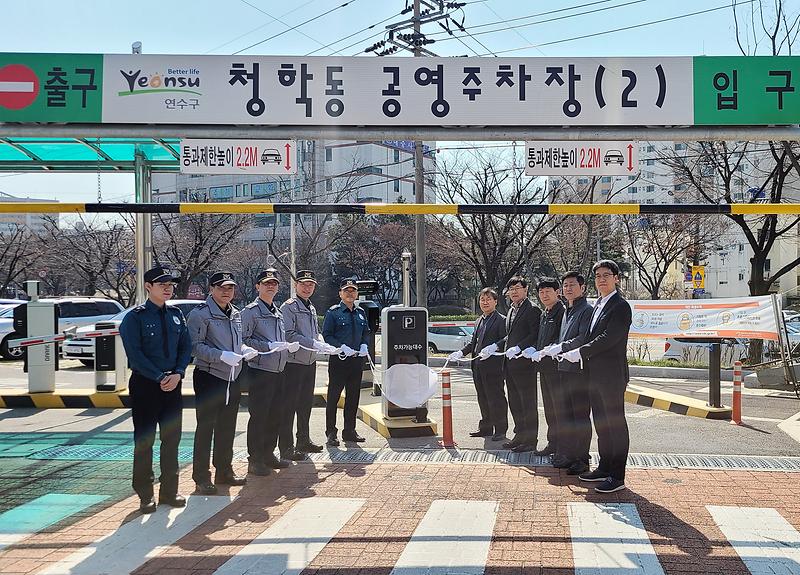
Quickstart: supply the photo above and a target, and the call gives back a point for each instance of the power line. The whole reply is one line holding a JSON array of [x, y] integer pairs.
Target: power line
[[279, 20], [353, 34]]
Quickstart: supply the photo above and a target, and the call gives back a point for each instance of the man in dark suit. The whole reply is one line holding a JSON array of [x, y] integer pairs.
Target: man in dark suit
[[487, 372], [522, 327], [552, 394], [605, 360]]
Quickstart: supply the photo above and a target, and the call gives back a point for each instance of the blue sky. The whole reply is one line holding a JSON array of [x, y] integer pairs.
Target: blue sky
[[225, 27]]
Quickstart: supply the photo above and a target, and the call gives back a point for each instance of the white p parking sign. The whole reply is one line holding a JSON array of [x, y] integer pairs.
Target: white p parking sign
[[409, 322]]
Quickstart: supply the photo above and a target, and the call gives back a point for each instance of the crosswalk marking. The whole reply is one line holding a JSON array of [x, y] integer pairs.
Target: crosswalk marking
[[146, 536], [26, 519], [292, 542], [610, 538], [453, 537], [765, 541]]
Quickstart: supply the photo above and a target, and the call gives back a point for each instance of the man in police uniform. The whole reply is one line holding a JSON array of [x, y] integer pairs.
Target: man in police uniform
[[157, 343], [300, 320], [262, 328], [216, 330], [345, 327]]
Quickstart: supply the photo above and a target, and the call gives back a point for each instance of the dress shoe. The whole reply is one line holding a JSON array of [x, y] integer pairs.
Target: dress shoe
[[147, 505], [308, 448], [480, 433], [596, 475], [610, 485], [353, 437], [332, 441], [577, 468], [511, 444], [229, 478], [258, 468], [546, 450], [294, 455], [561, 462], [276, 463], [523, 448], [498, 437], [172, 500], [206, 488]]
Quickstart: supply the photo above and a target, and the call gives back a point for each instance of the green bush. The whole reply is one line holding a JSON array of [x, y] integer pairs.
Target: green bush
[[452, 317]]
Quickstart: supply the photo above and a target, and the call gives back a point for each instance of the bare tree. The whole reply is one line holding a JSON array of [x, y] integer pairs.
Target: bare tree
[[18, 249]]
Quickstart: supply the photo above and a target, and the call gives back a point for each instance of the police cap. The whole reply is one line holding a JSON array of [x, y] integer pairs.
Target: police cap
[[222, 279], [348, 283], [306, 276], [268, 274], [161, 275]]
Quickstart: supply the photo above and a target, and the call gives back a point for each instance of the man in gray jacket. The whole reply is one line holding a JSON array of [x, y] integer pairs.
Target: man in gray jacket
[[300, 319], [263, 329], [216, 331]]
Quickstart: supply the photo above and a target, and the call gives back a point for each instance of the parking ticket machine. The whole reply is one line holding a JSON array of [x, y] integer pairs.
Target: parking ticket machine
[[109, 356], [404, 339], [33, 319]]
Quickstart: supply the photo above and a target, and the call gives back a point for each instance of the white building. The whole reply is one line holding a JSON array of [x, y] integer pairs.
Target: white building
[[33, 222]]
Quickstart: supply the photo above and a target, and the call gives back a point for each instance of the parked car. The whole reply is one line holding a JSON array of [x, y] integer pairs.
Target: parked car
[[684, 350], [82, 348], [73, 312], [447, 337]]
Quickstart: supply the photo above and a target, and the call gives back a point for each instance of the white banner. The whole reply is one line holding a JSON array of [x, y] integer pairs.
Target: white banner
[[362, 91], [564, 158], [745, 317], [238, 157]]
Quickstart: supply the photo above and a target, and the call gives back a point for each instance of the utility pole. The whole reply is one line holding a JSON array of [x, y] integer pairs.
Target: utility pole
[[419, 193]]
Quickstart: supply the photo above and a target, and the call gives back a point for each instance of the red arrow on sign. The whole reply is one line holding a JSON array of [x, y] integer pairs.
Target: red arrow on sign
[[630, 157], [19, 86], [288, 164]]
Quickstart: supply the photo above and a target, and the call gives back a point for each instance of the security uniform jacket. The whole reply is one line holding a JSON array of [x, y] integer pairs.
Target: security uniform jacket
[[574, 330], [549, 331], [605, 351], [343, 326], [213, 332], [522, 328], [260, 327], [488, 330], [300, 321]]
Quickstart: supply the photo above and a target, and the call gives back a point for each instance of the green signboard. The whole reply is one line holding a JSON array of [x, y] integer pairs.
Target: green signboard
[[51, 87]]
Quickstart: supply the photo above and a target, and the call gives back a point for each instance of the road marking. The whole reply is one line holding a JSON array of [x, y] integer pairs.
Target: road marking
[[31, 517], [791, 427], [453, 537], [140, 539], [610, 538], [294, 540], [765, 541]]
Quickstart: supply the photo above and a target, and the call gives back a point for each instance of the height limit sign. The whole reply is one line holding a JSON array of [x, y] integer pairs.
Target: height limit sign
[[581, 158]]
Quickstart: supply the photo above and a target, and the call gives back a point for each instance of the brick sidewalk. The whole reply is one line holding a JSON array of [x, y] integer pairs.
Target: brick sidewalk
[[531, 533]]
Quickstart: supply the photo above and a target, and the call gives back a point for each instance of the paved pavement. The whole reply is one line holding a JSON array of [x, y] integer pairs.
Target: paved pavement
[[724, 502]]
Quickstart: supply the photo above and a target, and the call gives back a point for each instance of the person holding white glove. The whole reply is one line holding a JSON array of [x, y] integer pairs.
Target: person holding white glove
[[512, 352], [572, 356], [347, 328], [248, 352], [276, 346], [488, 351], [216, 331], [455, 356], [529, 353], [552, 350], [363, 351], [487, 374], [302, 327]]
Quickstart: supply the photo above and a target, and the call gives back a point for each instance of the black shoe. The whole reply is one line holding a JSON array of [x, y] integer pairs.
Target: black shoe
[[308, 448], [480, 433], [258, 468], [547, 450], [332, 441], [596, 475], [498, 437], [147, 505], [172, 500], [562, 462], [229, 478], [578, 468], [276, 463], [512, 444], [353, 437], [523, 448], [206, 488], [610, 486], [294, 455]]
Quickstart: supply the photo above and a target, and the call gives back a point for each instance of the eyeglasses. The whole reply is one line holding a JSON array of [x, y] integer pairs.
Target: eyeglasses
[[604, 276], [515, 288]]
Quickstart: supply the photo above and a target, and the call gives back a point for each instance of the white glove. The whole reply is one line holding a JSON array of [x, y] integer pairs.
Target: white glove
[[293, 346], [572, 356], [512, 352], [538, 355], [363, 351], [320, 338], [348, 351], [231, 358], [455, 356], [552, 350], [249, 352], [488, 350], [321, 346], [529, 352], [278, 346]]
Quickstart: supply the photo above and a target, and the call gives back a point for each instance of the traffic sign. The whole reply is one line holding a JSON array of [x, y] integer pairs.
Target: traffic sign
[[271, 157], [565, 158], [699, 277], [19, 86]]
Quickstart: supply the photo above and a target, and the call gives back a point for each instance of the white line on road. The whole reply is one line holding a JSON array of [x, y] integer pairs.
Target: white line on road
[[610, 538], [453, 537], [765, 541], [791, 427], [294, 540]]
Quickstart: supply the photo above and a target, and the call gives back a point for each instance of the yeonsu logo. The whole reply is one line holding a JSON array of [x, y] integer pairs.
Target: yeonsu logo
[[180, 81]]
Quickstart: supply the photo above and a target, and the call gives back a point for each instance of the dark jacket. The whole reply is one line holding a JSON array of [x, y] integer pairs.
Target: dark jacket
[[574, 330], [343, 326], [549, 332], [524, 330], [605, 353], [492, 332]]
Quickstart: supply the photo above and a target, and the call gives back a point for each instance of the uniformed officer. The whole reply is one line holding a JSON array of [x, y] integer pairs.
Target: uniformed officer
[[157, 343], [262, 328], [345, 327], [216, 330], [300, 319]]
